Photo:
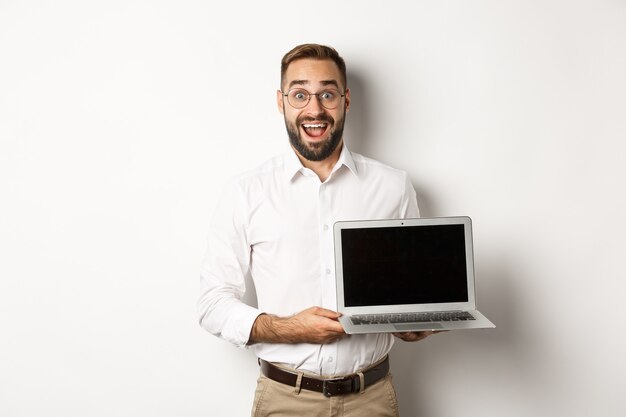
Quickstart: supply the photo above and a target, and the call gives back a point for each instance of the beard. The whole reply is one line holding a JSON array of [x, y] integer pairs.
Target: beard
[[320, 150]]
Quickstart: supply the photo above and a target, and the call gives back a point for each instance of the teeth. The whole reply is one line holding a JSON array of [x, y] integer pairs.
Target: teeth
[[309, 126]]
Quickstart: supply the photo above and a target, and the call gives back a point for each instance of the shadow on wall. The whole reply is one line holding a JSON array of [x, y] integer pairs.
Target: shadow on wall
[[426, 204], [359, 138], [428, 373], [358, 127]]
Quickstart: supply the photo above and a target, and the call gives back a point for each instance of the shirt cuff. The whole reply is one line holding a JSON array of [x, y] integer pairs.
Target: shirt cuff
[[240, 324]]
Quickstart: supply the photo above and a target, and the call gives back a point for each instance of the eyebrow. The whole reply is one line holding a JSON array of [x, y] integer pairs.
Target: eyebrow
[[305, 82], [330, 82]]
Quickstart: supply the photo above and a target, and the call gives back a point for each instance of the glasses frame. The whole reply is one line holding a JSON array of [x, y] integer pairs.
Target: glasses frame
[[313, 94]]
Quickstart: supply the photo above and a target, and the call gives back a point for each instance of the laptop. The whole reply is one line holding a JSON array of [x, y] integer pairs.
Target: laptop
[[406, 275]]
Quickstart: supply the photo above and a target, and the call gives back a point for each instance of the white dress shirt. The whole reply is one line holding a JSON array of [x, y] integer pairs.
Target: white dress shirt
[[276, 223]]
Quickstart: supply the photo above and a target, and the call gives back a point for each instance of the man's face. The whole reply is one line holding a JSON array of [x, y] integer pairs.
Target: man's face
[[314, 131]]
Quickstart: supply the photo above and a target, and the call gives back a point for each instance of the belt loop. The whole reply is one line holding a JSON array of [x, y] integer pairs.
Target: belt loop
[[361, 382], [298, 386]]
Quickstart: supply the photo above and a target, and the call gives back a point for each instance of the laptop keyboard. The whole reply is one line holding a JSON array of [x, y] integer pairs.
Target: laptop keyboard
[[412, 317]]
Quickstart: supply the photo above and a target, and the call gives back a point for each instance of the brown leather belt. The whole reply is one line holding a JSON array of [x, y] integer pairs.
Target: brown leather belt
[[328, 387]]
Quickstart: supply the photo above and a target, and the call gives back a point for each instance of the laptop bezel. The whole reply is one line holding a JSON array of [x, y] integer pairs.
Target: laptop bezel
[[405, 308]]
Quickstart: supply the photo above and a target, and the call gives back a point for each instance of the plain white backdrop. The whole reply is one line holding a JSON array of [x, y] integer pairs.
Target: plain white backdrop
[[120, 121]]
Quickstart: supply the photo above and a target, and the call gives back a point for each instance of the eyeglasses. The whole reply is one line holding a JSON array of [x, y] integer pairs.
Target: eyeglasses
[[299, 98]]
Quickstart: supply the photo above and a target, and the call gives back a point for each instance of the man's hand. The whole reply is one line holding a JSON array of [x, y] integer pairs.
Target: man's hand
[[313, 325], [415, 336]]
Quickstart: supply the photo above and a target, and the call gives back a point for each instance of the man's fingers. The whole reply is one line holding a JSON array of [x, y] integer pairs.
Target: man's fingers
[[333, 324], [336, 327], [330, 322], [319, 311], [318, 325], [414, 336]]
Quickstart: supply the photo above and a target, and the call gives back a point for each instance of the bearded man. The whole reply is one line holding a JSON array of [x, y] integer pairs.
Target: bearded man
[[275, 223]]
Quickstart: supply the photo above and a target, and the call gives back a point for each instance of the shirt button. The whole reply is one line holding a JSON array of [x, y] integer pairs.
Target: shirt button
[[325, 227], [330, 359], [327, 271]]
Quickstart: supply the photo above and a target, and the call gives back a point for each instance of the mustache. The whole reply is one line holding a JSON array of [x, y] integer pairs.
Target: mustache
[[320, 118]]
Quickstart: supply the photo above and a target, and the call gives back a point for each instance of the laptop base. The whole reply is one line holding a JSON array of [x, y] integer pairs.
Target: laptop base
[[480, 322]]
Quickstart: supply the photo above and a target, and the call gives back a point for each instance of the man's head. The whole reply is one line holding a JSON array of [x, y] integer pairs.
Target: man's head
[[314, 99]]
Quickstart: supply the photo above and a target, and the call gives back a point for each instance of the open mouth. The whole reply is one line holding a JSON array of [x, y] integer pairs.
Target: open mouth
[[315, 130]]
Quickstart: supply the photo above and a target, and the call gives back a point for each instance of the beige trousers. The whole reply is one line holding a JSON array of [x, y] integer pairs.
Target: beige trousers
[[273, 399]]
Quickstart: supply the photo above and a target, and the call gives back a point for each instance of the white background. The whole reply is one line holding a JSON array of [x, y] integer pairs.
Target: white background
[[120, 121]]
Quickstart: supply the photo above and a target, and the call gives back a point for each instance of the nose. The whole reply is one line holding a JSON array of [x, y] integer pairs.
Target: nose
[[314, 106]]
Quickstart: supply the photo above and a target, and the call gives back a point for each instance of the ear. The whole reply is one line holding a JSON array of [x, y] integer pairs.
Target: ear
[[347, 100], [280, 101]]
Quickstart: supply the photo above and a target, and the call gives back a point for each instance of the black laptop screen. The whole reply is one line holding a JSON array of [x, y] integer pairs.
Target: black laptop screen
[[404, 265]]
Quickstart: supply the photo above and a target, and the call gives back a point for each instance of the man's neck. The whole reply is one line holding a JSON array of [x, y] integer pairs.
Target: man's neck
[[322, 168]]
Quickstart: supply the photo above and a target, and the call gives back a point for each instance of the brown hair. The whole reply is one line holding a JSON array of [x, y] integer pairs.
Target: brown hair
[[313, 51]]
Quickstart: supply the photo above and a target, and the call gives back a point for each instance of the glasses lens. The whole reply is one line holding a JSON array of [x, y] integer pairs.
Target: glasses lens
[[329, 98], [298, 98]]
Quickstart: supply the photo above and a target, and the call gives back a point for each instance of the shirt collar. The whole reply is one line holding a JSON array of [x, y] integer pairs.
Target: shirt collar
[[293, 164], [345, 158]]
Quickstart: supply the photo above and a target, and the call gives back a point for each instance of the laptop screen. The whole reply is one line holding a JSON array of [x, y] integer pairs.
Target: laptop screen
[[404, 265]]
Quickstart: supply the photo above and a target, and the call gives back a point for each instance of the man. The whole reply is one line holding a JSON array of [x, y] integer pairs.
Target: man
[[275, 222]]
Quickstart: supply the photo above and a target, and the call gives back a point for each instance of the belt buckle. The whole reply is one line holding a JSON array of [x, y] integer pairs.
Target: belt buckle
[[329, 383]]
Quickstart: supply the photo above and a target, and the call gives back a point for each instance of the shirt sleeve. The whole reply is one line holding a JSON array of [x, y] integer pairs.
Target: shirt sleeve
[[408, 204], [223, 272]]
